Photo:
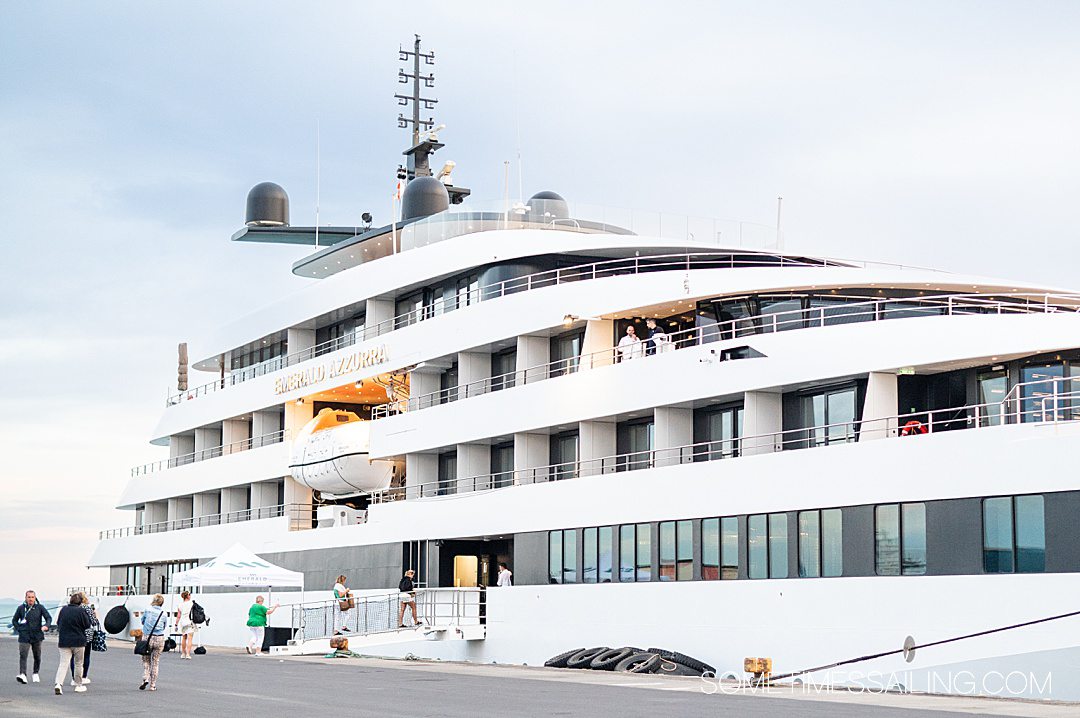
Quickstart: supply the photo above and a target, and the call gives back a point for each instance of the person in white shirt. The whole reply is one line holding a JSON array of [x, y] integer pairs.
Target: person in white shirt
[[184, 625], [505, 576], [630, 346], [342, 606]]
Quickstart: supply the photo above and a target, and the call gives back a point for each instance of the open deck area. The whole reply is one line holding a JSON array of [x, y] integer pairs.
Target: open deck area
[[227, 681]]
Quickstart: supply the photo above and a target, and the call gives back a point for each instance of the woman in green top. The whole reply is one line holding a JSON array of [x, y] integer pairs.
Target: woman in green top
[[257, 623]]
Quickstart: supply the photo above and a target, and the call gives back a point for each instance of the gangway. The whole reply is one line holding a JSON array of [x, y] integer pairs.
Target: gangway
[[445, 614]]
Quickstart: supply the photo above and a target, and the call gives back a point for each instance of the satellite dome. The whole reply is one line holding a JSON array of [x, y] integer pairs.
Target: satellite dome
[[423, 197], [549, 204], [267, 206]]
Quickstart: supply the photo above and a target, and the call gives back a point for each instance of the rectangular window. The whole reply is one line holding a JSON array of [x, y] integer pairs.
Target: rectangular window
[[503, 366], [710, 549], [778, 545], [729, 547], [820, 543], [829, 417], [900, 539], [684, 551], [606, 553], [569, 542], [634, 442], [565, 351], [627, 542], [757, 549], [767, 537], [667, 550], [502, 464], [447, 473], [588, 555], [644, 553], [1014, 535], [564, 455], [555, 557]]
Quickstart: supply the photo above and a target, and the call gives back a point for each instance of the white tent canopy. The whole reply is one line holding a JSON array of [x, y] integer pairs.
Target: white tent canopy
[[238, 567]]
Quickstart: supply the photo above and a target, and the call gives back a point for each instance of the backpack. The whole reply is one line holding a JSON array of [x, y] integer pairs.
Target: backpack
[[117, 619], [198, 614]]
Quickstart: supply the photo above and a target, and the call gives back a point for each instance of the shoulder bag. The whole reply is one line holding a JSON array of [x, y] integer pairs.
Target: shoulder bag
[[142, 646]]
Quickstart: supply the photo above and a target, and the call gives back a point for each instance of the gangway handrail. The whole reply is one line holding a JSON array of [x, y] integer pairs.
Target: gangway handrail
[[742, 328]]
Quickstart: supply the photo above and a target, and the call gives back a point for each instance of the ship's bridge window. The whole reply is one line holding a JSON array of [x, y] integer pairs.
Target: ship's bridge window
[[767, 545], [900, 539], [821, 543], [1014, 535]]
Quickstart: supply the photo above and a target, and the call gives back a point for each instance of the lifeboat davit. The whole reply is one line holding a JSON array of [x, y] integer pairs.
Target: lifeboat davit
[[330, 455]]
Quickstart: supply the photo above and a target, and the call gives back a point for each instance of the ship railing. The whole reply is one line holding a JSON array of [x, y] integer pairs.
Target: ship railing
[[537, 280], [214, 452], [378, 613], [746, 327], [99, 591], [301, 516], [1057, 405]]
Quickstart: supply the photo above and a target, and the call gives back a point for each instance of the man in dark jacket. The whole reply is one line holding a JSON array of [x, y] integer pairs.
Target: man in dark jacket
[[71, 625], [31, 620]]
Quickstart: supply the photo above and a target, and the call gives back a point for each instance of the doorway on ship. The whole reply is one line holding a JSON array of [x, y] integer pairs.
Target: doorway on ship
[[471, 563]]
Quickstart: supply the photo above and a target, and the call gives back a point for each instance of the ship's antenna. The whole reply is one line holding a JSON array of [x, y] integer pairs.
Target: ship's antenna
[[418, 165]]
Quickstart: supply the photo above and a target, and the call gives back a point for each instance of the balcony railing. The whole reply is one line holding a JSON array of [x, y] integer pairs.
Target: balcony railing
[[301, 516], [840, 313], [1056, 400], [254, 442], [97, 591], [538, 280]]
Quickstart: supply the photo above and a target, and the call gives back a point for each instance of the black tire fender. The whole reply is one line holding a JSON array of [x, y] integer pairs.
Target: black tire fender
[[642, 662], [688, 661], [607, 660], [560, 660], [584, 657]]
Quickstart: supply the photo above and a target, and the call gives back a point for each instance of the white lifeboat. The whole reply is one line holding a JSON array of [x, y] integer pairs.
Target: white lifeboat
[[330, 455]]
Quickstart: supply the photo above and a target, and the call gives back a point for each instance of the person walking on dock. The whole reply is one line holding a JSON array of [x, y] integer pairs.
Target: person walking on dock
[[407, 594], [154, 625], [31, 620], [257, 624], [71, 625], [185, 625], [344, 605], [95, 625]]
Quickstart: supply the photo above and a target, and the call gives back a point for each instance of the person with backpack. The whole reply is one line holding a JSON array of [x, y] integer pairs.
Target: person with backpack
[[31, 620], [185, 624], [71, 625]]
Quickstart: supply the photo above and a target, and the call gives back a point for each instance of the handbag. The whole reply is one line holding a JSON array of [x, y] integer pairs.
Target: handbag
[[142, 646], [97, 643]]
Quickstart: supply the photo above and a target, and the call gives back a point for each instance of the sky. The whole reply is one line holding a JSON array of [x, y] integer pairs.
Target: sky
[[930, 133]]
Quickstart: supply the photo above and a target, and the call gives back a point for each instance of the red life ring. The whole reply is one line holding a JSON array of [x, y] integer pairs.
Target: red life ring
[[912, 428]]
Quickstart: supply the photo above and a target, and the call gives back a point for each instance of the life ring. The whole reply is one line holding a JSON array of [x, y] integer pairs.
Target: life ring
[[912, 428]]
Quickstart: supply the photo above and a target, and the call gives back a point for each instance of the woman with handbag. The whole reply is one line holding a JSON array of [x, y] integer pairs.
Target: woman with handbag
[[95, 627], [152, 643], [345, 602]]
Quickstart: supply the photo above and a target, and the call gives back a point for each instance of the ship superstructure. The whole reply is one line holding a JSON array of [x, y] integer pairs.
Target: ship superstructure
[[672, 431]]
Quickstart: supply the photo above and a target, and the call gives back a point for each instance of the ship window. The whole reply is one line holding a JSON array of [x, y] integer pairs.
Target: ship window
[[634, 443], [635, 553], [626, 554], [1014, 535], [820, 543], [720, 548], [555, 556], [588, 555], [563, 454], [900, 539], [676, 551], [565, 352], [569, 556], [767, 537], [448, 384], [644, 553], [605, 553], [718, 432], [502, 464], [829, 416], [503, 366], [562, 556], [447, 473]]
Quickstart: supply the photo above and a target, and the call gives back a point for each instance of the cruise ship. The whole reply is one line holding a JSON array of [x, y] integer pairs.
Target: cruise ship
[[674, 432]]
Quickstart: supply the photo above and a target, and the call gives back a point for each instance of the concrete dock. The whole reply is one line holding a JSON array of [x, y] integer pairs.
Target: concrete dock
[[230, 682]]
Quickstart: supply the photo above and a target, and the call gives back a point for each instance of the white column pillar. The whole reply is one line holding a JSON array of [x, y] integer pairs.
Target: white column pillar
[[596, 440], [233, 499], [422, 385], [880, 408], [762, 414], [207, 439], [672, 427], [598, 346], [376, 312], [297, 340], [206, 504], [473, 367], [473, 460], [296, 416], [154, 512], [179, 509], [420, 469], [532, 351], [233, 433], [265, 422], [181, 445], [531, 451]]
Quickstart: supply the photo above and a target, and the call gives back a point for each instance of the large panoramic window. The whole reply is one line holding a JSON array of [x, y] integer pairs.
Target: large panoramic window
[[900, 539], [676, 551], [720, 548], [1014, 535], [820, 543], [829, 416], [767, 537]]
